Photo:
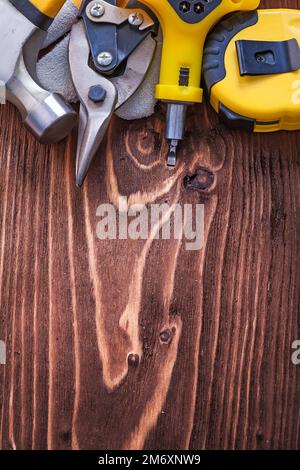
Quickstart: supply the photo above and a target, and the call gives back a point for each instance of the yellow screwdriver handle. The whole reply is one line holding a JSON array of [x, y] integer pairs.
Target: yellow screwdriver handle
[[183, 43]]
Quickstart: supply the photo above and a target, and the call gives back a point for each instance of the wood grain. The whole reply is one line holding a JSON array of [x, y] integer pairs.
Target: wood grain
[[142, 344]]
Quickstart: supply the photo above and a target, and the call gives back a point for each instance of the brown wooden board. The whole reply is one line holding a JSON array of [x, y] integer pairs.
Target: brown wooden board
[[213, 328]]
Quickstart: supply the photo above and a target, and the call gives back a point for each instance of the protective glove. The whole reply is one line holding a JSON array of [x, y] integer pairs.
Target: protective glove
[[54, 72]]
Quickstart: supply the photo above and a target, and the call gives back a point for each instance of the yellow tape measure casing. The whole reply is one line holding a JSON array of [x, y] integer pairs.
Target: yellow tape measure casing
[[272, 101]]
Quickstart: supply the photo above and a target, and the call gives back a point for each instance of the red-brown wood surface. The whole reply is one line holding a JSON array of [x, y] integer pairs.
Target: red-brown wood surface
[[87, 366]]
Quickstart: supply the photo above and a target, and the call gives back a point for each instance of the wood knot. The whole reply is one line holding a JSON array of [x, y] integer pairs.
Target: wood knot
[[166, 336], [200, 181], [133, 360], [65, 435]]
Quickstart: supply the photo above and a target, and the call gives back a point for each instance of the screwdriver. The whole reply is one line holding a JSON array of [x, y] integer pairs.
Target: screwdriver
[[185, 25]]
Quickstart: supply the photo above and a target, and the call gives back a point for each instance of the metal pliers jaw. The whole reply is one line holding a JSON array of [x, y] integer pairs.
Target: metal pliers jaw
[[100, 96]]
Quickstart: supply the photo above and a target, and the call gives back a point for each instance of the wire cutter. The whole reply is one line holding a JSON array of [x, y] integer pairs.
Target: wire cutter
[[109, 55]]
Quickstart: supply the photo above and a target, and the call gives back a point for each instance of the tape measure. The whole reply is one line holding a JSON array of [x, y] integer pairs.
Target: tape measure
[[251, 70]]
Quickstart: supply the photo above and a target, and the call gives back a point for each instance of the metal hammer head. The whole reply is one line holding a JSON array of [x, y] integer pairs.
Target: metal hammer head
[[45, 114]]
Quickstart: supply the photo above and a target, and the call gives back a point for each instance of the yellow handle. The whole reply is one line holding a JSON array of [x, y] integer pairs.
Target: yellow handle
[[183, 47], [77, 3], [48, 7]]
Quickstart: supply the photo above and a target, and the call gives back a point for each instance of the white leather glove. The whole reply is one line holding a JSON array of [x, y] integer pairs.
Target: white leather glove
[[54, 72]]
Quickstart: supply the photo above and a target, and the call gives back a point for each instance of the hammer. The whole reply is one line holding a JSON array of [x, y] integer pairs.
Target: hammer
[[23, 27]]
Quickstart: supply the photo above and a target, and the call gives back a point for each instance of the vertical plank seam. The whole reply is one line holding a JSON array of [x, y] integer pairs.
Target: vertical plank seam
[[75, 443]]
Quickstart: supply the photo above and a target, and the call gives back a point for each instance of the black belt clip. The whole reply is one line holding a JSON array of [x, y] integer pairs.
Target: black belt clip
[[267, 57]]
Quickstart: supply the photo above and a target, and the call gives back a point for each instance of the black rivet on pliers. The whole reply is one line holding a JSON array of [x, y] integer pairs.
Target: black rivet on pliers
[[97, 93]]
